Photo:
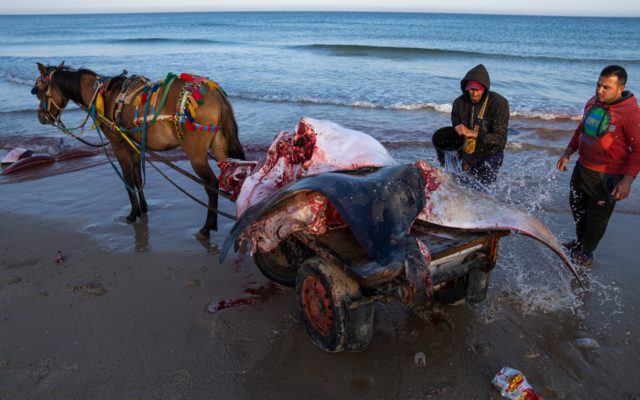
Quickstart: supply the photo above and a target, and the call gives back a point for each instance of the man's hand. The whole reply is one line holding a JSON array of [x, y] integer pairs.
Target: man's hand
[[466, 132], [564, 160], [622, 189]]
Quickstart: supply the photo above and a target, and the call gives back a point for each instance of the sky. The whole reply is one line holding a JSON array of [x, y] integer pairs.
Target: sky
[[619, 8]]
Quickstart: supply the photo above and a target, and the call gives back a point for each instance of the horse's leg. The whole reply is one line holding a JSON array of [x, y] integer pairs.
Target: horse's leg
[[127, 162], [201, 167], [137, 173]]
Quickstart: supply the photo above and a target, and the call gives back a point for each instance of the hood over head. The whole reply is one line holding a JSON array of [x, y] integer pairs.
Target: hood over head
[[479, 74]]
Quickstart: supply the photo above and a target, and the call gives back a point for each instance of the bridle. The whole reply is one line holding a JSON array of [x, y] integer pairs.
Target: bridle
[[42, 90]]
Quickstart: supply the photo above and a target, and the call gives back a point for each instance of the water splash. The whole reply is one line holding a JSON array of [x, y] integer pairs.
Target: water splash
[[529, 276], [452, 162]]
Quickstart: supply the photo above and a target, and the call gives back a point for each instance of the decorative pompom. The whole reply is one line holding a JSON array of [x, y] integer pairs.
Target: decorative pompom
[[170, 76]]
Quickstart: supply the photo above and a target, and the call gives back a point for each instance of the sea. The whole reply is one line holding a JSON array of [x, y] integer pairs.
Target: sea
[[393, 76]]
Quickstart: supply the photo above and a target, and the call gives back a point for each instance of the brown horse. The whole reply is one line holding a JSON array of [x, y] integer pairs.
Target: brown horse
[[187, 111]]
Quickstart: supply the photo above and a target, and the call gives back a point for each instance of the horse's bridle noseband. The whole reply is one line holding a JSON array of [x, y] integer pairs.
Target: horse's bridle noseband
[[42, 90]]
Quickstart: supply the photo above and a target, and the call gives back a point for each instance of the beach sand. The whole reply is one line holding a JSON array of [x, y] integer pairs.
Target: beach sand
[[124, 315]]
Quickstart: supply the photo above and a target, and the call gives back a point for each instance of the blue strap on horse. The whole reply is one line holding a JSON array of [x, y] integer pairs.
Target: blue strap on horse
[[95, 122], [144, 137]]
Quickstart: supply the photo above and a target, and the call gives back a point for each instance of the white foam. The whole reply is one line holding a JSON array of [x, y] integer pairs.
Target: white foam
[[548, 116]]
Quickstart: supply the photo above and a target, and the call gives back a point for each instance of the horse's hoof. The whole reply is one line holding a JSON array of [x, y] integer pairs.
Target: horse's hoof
[[131, 218], [144, 208], [202, 235]]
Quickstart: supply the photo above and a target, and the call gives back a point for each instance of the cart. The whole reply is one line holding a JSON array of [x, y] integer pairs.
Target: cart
[[337, 284]]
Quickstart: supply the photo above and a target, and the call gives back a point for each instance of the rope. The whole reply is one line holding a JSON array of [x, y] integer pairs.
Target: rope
[[222, 213], [189, 175], [106, 153], [66, 131]]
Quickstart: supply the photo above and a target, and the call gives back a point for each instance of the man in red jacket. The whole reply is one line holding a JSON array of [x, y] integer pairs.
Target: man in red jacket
[[608, 145]]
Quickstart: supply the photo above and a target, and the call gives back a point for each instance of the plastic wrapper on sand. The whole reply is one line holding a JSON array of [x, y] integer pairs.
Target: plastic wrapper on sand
[[513, 385]]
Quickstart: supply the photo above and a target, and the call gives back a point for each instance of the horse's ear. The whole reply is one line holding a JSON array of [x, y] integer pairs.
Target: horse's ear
[[61, 64], [42, 69]]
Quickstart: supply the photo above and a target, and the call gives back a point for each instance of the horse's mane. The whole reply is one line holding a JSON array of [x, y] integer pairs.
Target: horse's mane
[[68, 80]]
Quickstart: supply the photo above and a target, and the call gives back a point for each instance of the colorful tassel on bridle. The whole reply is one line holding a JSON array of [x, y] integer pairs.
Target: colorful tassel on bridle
[[100, 104]]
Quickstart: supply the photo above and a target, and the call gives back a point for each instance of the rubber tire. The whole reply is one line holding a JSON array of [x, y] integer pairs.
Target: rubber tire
[[454, 291], [323, 294], [282, 263], [477, 285]]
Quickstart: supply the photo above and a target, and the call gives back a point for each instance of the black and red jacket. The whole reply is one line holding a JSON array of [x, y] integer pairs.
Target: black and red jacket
[[492, 134]]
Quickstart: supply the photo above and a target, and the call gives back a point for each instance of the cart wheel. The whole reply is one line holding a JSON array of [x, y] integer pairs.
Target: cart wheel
[[452, 291], [282, 263], [478, 285], [324, 293]]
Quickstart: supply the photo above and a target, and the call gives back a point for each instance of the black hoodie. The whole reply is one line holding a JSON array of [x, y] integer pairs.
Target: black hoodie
[[492, 135]]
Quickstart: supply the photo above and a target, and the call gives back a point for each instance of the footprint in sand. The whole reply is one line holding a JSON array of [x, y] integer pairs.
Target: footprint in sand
[[90, 289], [20, 263]]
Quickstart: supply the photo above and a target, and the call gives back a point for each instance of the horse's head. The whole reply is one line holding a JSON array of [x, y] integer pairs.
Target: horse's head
[[52, 99]]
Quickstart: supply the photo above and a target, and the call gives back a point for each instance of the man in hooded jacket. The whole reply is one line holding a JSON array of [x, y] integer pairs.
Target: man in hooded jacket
[[482, 117]]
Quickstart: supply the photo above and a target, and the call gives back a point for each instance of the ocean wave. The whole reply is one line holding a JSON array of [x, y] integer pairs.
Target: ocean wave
[[9, 77], [20, 111], [445, 107], [399, 143], [403, 144], [355, 50], [548, 116], [438, 107], [367, 50], [517, 147], [160, 40]]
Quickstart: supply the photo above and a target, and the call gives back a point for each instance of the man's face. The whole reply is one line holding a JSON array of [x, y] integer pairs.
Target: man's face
[[475, 95], [608, 89]]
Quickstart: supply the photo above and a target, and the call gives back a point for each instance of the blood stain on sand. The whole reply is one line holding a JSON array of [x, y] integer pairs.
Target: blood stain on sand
[[256, 294]]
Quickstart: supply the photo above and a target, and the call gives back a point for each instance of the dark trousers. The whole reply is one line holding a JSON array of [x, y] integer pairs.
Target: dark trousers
[[484, 168], [591, 206]]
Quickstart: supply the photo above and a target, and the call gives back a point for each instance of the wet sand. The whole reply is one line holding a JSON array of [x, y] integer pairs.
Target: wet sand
[[124, 316]]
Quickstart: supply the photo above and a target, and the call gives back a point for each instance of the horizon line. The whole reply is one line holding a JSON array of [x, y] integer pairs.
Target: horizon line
[[120, 12]]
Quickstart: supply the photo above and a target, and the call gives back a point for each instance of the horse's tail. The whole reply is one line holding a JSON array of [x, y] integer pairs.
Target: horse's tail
[[230, 128]]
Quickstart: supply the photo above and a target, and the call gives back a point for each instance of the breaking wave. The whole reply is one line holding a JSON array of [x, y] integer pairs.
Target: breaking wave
[[355, 50], [161, 40], [9, 77], [433, 106]]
